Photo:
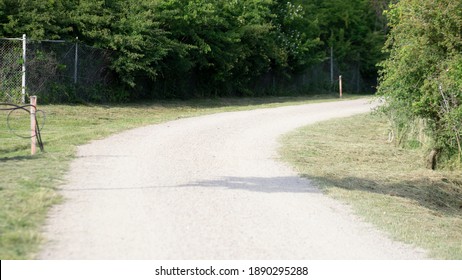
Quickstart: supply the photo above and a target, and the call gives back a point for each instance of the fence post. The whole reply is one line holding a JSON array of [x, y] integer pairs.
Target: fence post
[[33, 125], [76, 59], [23, 82], [340, 85], [332, 65]]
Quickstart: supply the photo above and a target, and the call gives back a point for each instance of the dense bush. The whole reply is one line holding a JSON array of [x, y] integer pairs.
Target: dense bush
[[422, 78]]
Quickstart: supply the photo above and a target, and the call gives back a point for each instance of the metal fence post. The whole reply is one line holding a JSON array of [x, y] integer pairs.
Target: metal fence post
[[76, 59], [332, 65], [23, 83]]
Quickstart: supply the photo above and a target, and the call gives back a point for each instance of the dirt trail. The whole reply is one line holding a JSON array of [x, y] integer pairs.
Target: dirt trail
[[208, 187]]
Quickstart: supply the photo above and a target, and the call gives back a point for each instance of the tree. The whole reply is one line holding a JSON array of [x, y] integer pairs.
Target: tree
[[128, 27], [37, 19], [228, 44], [354, 31], [218, 47], [422, 78], [298, 32]]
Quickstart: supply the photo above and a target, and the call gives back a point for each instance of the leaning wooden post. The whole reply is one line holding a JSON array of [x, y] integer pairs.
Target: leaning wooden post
[[340, 85], [33, 124]]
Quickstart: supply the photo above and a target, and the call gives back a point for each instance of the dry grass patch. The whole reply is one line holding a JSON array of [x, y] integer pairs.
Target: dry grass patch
[[389, 186]]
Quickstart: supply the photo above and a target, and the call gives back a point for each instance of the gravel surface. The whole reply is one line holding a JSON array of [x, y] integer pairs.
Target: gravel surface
[[208, 187]]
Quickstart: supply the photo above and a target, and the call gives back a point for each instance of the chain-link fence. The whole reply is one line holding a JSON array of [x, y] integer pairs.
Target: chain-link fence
[[55, 71], [59, 72], [11, 62], [319, 78]]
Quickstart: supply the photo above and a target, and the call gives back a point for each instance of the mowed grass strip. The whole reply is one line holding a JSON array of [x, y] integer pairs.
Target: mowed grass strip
[[351, 160], [28, 184]]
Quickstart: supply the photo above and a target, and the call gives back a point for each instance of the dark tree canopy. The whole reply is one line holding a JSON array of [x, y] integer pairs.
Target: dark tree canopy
[[221, 46]]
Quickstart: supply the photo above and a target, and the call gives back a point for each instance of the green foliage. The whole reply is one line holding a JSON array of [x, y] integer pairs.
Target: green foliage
[[225, 45], [128, 27], [184, 48], [298, 32], [422, 77], [352, 28], [37, 19]]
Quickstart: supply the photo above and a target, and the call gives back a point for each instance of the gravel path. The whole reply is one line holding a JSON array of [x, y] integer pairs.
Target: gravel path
[[208, 187]]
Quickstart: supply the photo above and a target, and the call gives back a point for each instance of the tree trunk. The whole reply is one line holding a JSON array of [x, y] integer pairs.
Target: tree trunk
[[433, 158]]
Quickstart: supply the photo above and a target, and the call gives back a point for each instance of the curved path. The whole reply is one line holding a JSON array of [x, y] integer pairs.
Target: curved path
[[209, 187]]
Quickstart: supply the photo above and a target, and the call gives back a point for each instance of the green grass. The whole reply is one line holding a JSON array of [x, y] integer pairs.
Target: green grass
[[28, 184], [389, 186]]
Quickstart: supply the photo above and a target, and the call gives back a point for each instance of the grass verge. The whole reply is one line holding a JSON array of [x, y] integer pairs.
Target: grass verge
[[351, 160], [28, 184]]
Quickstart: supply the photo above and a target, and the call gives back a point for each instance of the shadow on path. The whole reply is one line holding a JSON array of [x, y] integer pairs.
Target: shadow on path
[[290, 184]]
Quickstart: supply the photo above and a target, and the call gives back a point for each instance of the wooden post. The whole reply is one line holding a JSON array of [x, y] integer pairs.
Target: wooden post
[[340, 85], [33, 135]]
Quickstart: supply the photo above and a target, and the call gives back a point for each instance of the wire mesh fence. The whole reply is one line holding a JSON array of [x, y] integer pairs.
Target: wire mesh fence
[[319, 78], [11, 61], [55, 71], [62, 72]]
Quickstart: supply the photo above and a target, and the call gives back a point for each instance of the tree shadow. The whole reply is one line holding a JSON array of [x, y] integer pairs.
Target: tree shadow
[[443, 196], [220, 102], [18, 158], [288, 184]]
